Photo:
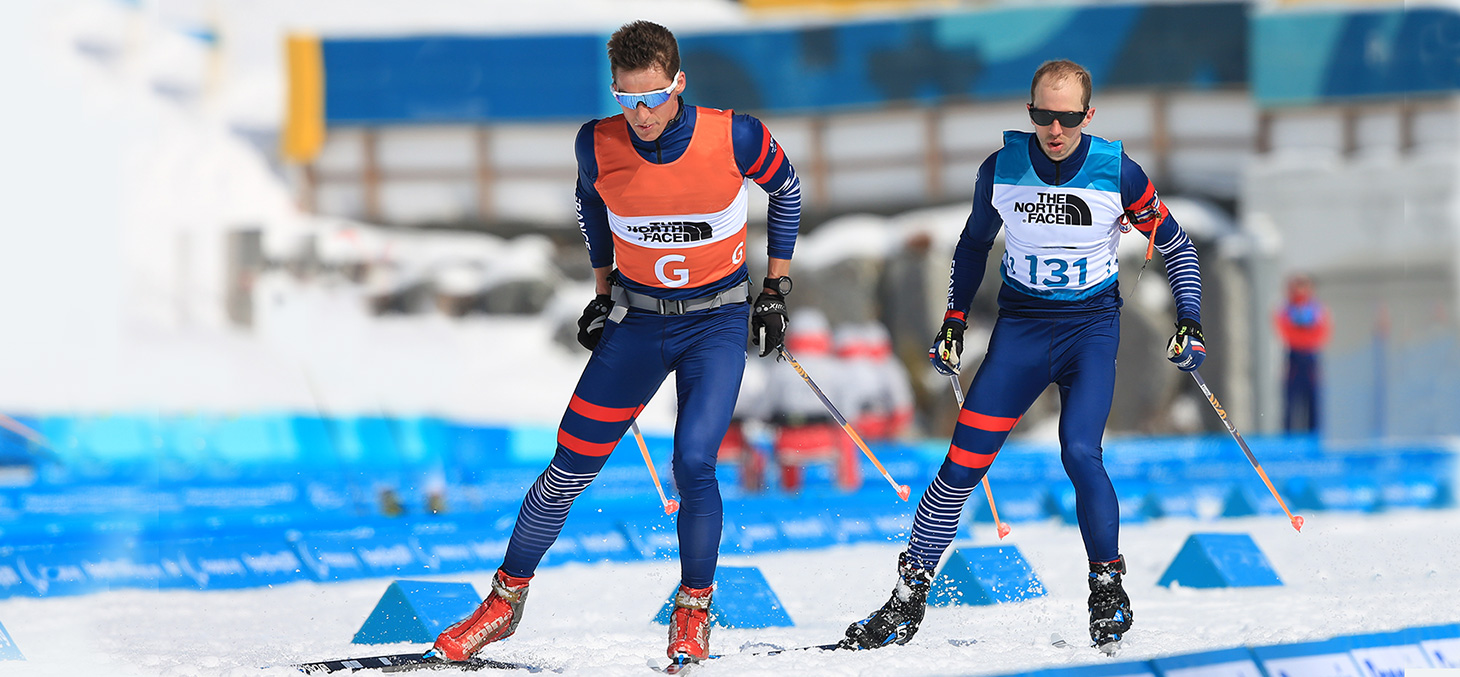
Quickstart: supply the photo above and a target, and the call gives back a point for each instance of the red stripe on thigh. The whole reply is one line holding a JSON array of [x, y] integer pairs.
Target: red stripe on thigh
[[578, 446], [969, 459], [993, 424], [587, 409]]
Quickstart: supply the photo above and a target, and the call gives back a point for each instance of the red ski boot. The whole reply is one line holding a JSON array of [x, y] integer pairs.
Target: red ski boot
[[495, 619], [689, 625]]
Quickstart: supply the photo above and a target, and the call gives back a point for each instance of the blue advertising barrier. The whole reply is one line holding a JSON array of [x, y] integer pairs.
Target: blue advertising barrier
[[1388, 653], [1196, 500], [1244, 500], [1129, 494], [232, 524], [1356, 494], [359, 552], [231, 563], [1130, 669], [1441, 644], [751, 533], [802, 527], [1016, 501], [46, 570], [851, 523], [449, 546], [1223, 663], [1329, 657], [653, 541], [601, 538], [1413, 490]]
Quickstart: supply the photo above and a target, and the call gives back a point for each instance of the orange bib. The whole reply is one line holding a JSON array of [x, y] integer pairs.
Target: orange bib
[[679, 224]]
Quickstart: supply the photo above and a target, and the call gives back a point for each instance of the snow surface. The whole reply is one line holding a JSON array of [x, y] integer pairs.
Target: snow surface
[[1345, 574]]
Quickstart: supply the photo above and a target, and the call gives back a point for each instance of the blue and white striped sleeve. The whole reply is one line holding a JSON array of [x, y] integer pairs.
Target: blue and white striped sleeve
[[763, 161], [1149, 215], [592, 212]]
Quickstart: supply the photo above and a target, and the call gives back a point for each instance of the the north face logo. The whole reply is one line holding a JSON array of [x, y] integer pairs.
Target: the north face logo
[[1057, 209], [673, 231]]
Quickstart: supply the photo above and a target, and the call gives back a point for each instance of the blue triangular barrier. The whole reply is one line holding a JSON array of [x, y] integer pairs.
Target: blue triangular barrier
[[985, 575], [8, 650], [417, 611], [743, 599], [1220, 561]]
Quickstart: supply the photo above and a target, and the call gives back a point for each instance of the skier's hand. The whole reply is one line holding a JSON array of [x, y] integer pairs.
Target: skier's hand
[[768, 322], [1187, 349], [590, 325], [947, 348]]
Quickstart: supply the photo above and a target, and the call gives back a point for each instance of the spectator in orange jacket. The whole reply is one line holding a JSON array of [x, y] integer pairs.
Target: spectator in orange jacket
[[1303, 324]]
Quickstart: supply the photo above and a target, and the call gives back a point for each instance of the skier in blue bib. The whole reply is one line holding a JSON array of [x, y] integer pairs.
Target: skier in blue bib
[[1063, 198]]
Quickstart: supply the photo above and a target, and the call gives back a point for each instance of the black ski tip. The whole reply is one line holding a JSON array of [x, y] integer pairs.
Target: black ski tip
[[406, 663], [814, 647]]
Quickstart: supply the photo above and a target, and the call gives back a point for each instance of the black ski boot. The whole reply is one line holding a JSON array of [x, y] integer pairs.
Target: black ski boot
[[897, 621], [1110, 615]]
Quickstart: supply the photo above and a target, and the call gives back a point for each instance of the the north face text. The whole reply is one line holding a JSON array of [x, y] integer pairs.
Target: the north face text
[[673, 231], [1058, 209]]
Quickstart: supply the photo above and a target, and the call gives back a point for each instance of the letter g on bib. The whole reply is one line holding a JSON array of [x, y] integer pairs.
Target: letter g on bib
[[681, 274]]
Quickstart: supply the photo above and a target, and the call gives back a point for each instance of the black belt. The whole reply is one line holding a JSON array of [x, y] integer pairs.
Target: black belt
[[737, 294]]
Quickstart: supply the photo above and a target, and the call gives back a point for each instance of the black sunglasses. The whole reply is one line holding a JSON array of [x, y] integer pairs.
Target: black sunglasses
[[1044, 118]]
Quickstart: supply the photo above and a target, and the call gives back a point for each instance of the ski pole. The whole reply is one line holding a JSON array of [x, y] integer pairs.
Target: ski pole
[[1297, 520], [41, 443], [670, 505], [1003, 528], [1150, 249], [902, 489]]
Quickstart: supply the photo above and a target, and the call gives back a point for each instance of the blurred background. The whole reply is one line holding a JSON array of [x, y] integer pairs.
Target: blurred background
[[319, 257]]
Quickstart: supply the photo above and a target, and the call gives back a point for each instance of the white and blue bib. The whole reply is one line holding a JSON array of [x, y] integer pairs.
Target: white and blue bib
[[1059, 241]]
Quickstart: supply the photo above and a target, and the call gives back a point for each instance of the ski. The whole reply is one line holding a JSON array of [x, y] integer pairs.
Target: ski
[[814, 647], [407, 662], [1109, 648], [680, 665]]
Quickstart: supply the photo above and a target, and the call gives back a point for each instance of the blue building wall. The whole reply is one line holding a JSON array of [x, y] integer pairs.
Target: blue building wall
[[1288, 58], [1317, 56], [857, 64]]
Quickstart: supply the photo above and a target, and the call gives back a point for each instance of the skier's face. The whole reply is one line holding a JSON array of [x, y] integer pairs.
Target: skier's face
[[1057, 139], [648, 123]]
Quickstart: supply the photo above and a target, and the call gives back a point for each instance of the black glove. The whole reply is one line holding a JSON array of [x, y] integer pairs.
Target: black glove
[[768, 322], [947, 347], [590, 325], [1187, 348]]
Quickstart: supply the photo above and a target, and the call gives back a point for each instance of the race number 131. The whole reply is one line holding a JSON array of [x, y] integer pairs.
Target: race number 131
[[1052, 271]]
